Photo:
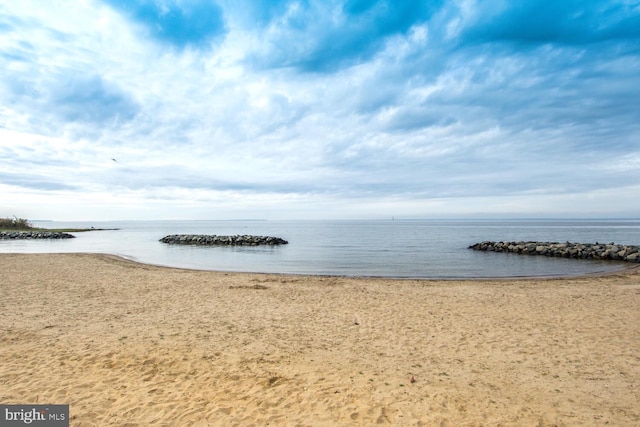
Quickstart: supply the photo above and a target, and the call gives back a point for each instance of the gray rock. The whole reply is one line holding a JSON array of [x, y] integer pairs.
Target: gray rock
[[7, 235], [611, 251], [214, 240]]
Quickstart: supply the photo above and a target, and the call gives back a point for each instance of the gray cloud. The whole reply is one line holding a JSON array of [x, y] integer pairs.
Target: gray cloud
[[91, 99], [34, 182]]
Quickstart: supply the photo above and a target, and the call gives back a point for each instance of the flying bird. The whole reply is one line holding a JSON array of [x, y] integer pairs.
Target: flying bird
[[114, 160]]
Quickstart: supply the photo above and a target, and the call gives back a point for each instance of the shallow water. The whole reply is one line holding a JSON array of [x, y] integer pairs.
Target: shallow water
[[401, 248]]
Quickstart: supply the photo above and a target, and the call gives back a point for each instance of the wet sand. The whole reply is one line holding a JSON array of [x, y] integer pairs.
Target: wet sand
[[129, 344]]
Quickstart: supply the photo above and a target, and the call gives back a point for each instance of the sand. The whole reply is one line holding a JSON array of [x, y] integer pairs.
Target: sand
[[129, 344]]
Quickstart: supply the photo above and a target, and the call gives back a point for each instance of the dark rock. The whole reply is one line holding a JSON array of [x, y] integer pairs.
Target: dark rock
[[214, 240], [611, 251], [6, 235]]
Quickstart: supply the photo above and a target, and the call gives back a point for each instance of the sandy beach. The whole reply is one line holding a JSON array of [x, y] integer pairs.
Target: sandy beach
[[128, 344]]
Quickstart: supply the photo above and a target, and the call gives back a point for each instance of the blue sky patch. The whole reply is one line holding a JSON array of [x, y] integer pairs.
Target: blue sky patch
[[178, 23]]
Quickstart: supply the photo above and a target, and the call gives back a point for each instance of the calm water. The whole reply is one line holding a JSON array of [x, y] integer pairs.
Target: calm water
[[401, 248]]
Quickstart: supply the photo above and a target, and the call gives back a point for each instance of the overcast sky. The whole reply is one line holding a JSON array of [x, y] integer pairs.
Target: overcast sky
[[313, 109]]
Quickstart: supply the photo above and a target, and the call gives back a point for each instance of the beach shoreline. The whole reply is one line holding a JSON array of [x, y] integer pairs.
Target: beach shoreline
[[126, 343], [622, 268]]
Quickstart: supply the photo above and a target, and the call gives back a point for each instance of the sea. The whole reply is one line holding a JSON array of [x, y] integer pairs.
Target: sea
[[437, 249]]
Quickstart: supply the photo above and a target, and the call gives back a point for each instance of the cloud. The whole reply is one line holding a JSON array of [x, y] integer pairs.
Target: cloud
[[68, 97], [291, 105], [36, 182], [323, 37], [52, 78], [91, 99]]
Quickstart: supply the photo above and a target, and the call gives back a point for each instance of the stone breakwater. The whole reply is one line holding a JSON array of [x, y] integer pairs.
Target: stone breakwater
[[213, 240], [6, 235], [609, 251]]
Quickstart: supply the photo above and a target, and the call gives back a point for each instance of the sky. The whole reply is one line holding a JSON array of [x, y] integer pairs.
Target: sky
[[319, 109]]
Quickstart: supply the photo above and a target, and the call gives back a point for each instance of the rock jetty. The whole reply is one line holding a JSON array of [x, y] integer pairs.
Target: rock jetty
[[213, 240], [609, 251], [7, 235]]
